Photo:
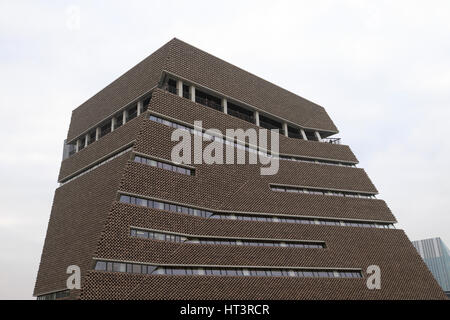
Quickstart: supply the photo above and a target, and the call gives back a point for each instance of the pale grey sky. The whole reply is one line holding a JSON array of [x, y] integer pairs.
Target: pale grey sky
[[380, 68]]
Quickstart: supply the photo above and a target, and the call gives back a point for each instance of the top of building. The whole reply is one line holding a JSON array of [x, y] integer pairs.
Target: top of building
[[198, 67], [431, 248]]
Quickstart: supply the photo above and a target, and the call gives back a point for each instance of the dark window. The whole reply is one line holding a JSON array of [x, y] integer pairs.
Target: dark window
[[82, 143], [62, 294], [132, 112], [119, 121], [54, 295], [172, 86], [294, 133], [92, 136], [186, 93], [71, 148], [105, 129], [269, 123], [239, 112], [208, 100], [146, 103], [310, 135]]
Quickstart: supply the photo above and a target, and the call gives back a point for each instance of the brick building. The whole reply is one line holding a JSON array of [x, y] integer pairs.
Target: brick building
[[140, 226]]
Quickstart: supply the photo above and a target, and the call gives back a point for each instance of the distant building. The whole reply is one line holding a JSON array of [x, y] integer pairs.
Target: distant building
[[437, 257]]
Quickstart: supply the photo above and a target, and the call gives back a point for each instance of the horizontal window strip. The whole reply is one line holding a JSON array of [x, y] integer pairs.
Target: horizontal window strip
[[89, 169], [164, 165], [138, 268], [213, 99], [108, 125], [348, 194], [164, 236], [223, 140], [160, 205], [54, 295]]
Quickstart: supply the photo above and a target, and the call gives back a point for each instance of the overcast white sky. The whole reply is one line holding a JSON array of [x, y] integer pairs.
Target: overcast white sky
[[380, 68]]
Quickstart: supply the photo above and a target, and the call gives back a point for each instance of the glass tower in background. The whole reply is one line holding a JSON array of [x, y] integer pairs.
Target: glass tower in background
[[437, 257]]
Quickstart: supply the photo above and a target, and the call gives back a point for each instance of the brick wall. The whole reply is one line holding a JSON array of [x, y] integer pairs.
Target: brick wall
[[78, 215]]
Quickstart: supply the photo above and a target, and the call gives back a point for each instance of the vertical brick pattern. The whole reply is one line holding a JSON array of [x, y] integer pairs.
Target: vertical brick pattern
[[191, 63], [132, 84], [242, 188], [343, 252], [209, 71], [404, 274], [78, 215], [87, 222]]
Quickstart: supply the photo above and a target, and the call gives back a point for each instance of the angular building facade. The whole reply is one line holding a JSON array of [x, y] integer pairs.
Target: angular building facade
[[141, 226]]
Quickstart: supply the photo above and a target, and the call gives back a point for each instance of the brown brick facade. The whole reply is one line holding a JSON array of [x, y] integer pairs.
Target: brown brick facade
[[182, 109], [202, 68], [78, 215], [88, 222]]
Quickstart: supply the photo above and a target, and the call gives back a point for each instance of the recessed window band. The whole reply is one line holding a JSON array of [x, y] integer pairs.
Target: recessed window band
[[323, 192], [164, 165], [138, 268], [160, 205], [164, 236]]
